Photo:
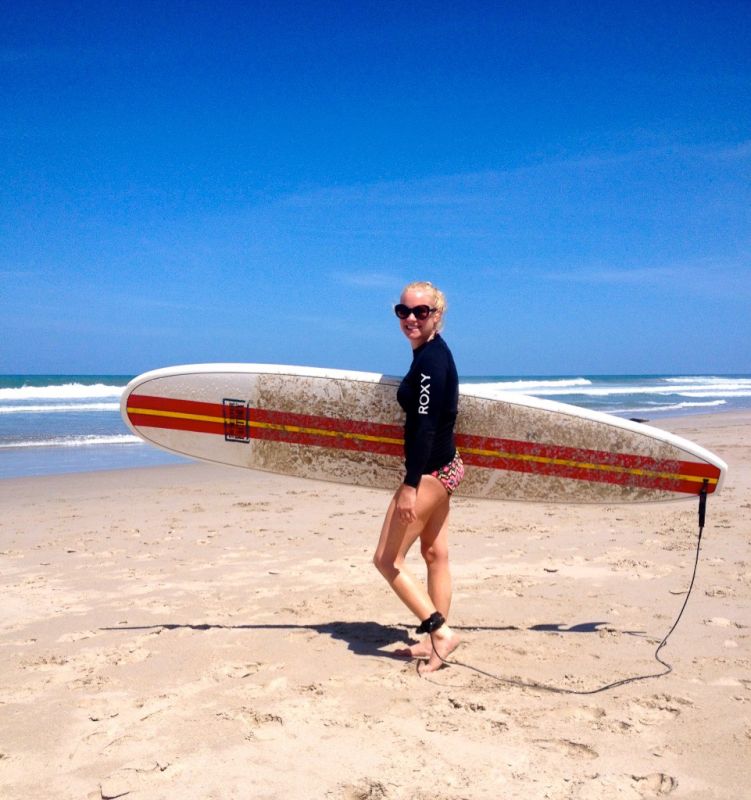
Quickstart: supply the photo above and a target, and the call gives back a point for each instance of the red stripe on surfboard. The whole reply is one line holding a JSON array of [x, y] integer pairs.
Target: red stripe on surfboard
[[267, 416], [579, 454], [619, 461], [464, 442], [176, 424], [168, 404], [591, 474]]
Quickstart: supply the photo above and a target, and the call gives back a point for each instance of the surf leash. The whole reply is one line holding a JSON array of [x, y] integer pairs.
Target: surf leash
[[668, 668]]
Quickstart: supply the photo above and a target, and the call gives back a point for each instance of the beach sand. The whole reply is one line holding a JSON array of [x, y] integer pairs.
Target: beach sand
[[202, 632]]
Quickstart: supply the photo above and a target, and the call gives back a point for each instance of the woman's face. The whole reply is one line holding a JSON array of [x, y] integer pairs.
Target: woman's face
[[419, 331]]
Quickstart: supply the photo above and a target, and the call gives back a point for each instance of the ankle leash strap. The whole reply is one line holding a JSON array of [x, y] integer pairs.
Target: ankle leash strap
[[432, 623]]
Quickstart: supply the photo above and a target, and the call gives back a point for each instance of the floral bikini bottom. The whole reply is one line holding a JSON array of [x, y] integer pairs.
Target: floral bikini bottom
[[451, 475]]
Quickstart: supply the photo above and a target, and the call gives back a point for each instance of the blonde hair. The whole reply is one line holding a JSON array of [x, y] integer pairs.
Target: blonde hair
[[439, 298]]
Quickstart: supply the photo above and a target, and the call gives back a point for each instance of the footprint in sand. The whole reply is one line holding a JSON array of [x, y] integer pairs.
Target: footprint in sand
[[656, 784], [257, 724], [365, 790], [656, 709], [131, 777], [566, 747], [628, 787], [241, 670]]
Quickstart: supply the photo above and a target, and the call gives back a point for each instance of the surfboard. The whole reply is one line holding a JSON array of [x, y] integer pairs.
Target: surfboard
[[347, 427]]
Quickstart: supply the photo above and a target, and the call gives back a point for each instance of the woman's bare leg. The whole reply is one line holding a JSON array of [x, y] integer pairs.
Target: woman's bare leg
[[394, 543], [435, 552]]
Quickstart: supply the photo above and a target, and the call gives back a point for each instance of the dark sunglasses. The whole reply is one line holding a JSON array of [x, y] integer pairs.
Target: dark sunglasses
[[420, 312]]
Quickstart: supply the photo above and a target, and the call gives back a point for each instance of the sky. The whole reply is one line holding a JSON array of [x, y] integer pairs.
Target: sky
[[186, 182]]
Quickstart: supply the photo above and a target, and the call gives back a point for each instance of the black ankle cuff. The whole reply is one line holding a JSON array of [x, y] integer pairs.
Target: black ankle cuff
[[432, 623]]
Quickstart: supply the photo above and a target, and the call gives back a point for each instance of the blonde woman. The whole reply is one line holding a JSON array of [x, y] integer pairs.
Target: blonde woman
[[433, 469]]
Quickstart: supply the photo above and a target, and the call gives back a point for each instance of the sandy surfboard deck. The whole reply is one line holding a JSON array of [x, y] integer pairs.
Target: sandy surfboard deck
[[347, 427]]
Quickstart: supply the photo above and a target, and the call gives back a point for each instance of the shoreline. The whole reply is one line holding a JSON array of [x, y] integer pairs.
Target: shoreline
[[209, 632]]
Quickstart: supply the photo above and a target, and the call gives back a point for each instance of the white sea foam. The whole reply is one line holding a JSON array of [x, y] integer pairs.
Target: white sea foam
[[65, 391], [530, 386], [56, 408], [710, 379], [723, 393], [672, 407], [72, 441], [728, 389]]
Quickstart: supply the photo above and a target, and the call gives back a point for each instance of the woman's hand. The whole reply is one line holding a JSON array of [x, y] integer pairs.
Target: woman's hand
[[406, 504]]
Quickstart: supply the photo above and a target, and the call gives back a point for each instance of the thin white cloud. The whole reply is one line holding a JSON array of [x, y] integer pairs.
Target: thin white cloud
[[463, 189], [703, 277], [737, 152], [15, 273]]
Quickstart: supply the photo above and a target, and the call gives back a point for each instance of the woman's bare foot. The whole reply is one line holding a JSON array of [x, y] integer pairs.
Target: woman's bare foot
[[422, 650], [444, 643]]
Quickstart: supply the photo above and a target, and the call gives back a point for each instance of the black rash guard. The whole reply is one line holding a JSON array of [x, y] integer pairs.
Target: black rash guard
[[429, 394]]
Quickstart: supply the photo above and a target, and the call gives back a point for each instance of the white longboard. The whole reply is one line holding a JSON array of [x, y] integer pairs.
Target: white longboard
[[347, 427]]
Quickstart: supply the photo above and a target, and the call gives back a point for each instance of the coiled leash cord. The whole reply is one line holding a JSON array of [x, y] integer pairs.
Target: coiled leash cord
[[614, 684]]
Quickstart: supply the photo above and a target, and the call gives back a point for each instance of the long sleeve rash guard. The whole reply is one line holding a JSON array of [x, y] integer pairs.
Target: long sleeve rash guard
[[429, 394]]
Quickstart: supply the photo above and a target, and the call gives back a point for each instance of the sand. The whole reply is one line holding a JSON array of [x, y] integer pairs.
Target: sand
[[203, 632]]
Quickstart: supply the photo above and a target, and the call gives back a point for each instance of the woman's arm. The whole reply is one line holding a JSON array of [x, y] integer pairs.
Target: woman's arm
[[429, 386]]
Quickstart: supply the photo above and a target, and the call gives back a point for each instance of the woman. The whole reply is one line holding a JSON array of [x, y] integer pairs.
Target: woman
[[420, 507]]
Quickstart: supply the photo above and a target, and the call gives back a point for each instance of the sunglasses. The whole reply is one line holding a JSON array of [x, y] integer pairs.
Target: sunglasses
[[420, 312]]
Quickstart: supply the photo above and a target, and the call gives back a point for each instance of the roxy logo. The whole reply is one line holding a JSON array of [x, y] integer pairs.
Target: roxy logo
[[424, 393]]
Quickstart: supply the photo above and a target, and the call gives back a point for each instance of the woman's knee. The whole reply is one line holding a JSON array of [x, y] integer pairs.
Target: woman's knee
[[385, 564], [434, 553]]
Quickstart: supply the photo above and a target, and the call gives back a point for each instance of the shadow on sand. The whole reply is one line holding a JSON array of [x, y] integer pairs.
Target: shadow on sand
[[369, 638]]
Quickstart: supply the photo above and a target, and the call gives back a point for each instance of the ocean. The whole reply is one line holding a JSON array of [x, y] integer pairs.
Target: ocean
[[52, 424]]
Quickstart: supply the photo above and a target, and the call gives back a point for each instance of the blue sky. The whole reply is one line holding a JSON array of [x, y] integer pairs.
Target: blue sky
[[191, 181]]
